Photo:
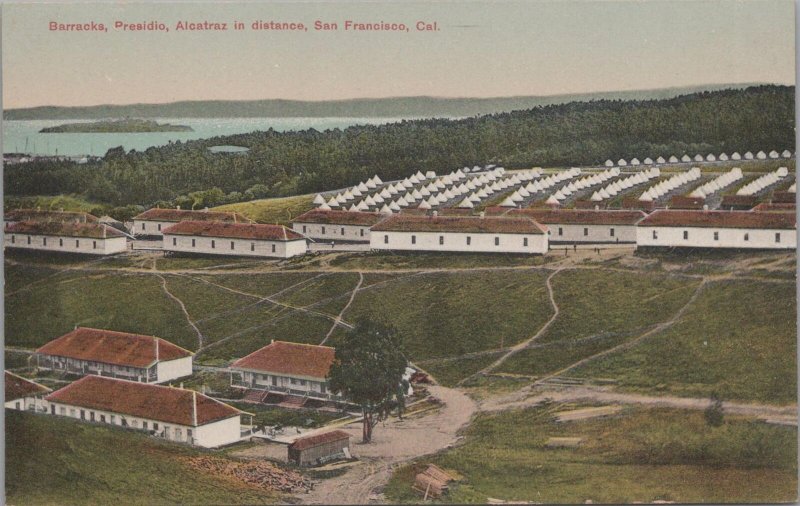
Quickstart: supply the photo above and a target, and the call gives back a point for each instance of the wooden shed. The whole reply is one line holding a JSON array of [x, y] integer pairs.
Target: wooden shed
[[320, 448]]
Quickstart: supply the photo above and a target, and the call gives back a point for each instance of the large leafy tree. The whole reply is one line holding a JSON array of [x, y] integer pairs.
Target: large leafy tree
[[368, 370]]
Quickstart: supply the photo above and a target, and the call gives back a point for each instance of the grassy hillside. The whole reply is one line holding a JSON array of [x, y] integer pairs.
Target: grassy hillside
[[641, 455], [62, 461], [738, 339], [280, 211]]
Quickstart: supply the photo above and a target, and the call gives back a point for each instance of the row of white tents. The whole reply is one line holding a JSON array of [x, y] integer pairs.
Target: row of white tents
[[700, 158], [480, 193], [542, 185], [764, 181], [614, 188], [660, 189], [717, 184]]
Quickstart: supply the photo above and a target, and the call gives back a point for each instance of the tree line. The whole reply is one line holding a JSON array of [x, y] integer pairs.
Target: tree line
[[289, 163]]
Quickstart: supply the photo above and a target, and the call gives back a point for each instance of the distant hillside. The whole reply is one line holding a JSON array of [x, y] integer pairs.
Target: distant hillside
[[401, 107]]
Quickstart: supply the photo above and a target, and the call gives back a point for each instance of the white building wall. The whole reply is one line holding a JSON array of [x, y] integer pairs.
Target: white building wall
[[234, 247], [221, 432], [596, 234], [457, 241], [150, 227], [268, 381], [25, 403], [331, 232], [167, 370], [703, 237], [84, 245]]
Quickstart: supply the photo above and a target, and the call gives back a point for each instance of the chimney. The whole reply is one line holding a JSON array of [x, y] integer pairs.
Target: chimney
[[482, 214], [271, 341], [156, 340], [178, 208], [435, 214], [705, 207], [194, 408], [596, 207]]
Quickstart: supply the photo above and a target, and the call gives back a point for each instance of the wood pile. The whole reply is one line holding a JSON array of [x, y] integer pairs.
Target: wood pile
[[432, 482], [256, 473]]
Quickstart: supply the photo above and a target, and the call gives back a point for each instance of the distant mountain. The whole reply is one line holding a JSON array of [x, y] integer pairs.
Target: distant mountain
[[400, 107]]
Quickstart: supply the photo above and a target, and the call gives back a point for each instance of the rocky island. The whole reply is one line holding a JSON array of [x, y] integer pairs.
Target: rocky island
[[117, 126]]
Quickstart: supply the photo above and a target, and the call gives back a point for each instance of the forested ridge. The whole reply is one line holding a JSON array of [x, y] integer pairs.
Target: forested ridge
[[288, 163]]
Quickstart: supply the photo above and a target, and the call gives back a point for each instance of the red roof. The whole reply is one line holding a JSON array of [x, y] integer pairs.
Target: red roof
[[291, 359], [580, 216], [305, 443], [64, 228], [720, 219], [686, 202], [233, 230], [48, 215], [738, 200], [340, 218], [111, 347], [784, 197], [154, 402], [18, 387], [783, 207], [468, 224], [157, 214]]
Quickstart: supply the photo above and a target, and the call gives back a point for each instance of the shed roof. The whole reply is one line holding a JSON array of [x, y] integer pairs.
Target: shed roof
[[66, 229], [307, 442], [720, 219], [157, 214], [292, 359], [469, 224], [340, 217], [154, 402], [17, 387], [112, 347], [233, 230]]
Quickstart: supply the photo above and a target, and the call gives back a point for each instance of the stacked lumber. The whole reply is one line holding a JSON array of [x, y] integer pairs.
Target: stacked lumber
[[432, 482], [256, 473]]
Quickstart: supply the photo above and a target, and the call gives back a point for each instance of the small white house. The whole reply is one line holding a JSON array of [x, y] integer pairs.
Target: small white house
[[175, 414], [287, 368], [460, 233], [135, 357], [23, 394], [579, 226], [718, 229], [345, 226], [233, 239], [65, 237], [152, 222]]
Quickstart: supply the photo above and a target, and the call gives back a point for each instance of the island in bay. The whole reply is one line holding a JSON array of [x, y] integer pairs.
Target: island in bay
[[126, 125]]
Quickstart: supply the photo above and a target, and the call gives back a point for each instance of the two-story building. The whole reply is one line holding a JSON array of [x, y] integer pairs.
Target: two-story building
[[135, 357], [338, 226], [65, 237], [233, 239], [175, 414], [152, 222], [585, 226]]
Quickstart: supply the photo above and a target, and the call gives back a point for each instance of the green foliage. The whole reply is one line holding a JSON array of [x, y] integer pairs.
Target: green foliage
[[714, 413], [289, 163]]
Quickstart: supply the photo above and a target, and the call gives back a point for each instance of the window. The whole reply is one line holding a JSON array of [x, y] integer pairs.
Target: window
[[155, 426], [655, 234], [497, 241], [193, 243], [525, 241], [113, 419], [94, 244], [29, 239], [362, 232], [62, 411], [560, 231], [159, 227], [303, 382], [252, 246], [103, 418], [273, 248], [746, 237], [232, 245], [716, 236], [142, 226], [777, 237], [304, 229], [585, 231], [213, 244], [386, 239], [13, 239], [469, 240], [61, 242], [413, 239], [685, 234], [44, 241], [174, 241], [77, 243], [72, 413], [144, 425], [91, 415], [342, 230], [611, 230], [441, 239], [323, 230]]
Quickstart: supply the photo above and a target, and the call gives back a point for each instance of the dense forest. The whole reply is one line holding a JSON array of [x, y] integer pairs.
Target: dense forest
[[289, 163]]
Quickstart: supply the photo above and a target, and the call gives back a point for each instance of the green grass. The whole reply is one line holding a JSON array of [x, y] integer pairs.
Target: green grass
[[263, 284], [450, 372], [125, 302], [598, 310], [376, 260], [449, 314], [60, 461], [16, 360], [738, 339], [58, 202], [281, 210], [640, 455], [197, 262]]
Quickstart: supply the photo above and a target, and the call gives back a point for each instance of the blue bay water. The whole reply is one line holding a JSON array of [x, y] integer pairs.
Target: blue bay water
[[16, 134]]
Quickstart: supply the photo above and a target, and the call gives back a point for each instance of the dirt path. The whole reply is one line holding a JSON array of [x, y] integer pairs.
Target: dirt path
[[524, 344], [339, 320], [200, 336], [394, 443]]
